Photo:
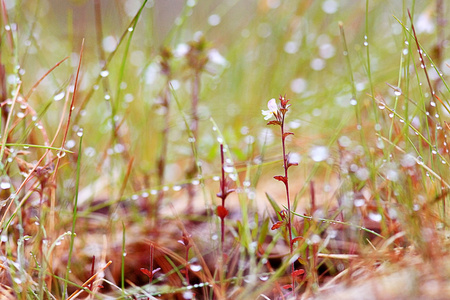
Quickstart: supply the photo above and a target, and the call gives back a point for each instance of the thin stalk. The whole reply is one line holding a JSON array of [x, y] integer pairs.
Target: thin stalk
[[122, 266], [286, 184], [74, 217], [222, 183]]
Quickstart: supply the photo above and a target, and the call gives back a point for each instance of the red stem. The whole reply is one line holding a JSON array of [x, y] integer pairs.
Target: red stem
[[286, 184], [222, 188]]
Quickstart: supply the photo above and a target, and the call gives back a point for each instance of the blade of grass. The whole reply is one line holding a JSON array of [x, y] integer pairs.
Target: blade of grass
[[74, 216]]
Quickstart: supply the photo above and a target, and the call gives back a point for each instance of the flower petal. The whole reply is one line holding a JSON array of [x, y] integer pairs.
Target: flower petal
[[272, 105]]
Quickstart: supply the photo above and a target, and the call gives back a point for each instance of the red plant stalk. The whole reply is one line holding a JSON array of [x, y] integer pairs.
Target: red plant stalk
[[280, 113], [222, 212]]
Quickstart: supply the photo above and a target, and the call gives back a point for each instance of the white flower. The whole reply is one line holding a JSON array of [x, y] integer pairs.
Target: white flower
[[273, 109]]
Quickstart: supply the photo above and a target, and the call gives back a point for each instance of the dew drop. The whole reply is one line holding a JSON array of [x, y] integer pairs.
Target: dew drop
[[61, 154], [5, 184], [353, 102], [374, 216], [233, 176], [104, 73], [359, 202], [264, 277], [228, 167], [195, 267], [59, 96], [130, 29]]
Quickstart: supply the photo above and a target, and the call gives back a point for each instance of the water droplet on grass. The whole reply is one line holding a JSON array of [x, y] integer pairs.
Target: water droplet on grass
[[188, 295], [228, 166], [5, 184], [264, 277], [59, 96], [374, 216], [104, 73], [359, 202], [195, 267]]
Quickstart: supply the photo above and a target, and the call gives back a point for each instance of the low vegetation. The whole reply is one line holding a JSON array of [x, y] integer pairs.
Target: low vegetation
[[224, 150]]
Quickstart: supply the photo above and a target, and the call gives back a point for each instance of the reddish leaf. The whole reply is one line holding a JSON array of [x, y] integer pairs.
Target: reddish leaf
[[287, 286], [283, 214], [221, 211], [281, 178], [287, 133], [274, 122], [299, 272], [146, 272], [297, 239], [277, 225], [291, 164], [284, 101]]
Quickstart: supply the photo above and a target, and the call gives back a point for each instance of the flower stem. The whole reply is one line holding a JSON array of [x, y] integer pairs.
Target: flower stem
[[286, 184]]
